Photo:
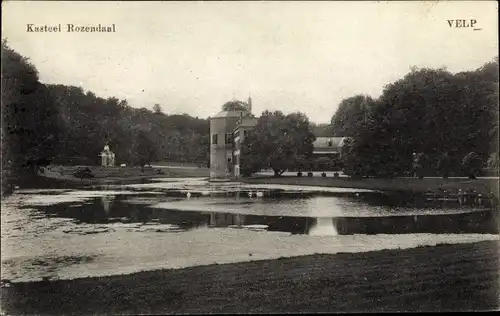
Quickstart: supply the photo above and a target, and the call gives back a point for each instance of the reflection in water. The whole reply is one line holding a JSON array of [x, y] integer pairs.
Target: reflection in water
[[106, 202], [225, 220], [103, 230], [313, 221], [324, 226]]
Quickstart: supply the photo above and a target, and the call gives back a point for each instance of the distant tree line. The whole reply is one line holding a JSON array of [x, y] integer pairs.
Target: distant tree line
[[430, 122], [44, 123]]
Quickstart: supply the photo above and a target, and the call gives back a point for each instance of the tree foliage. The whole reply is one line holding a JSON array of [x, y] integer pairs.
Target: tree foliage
[[90, 122], [429, 111], [144, 149], [351, 112], [235, 105], [157, 109], [321, 130], [471, 164], [277, 141], [30, 129], [67, 125]]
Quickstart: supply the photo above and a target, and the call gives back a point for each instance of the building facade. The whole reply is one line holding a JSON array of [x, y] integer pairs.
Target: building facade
[[222, 126], [107, 157], [225, 141], [228, 130], [328, 146], [244, 126]]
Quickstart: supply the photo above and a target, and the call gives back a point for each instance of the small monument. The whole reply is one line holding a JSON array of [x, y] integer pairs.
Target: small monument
[[107, 157]]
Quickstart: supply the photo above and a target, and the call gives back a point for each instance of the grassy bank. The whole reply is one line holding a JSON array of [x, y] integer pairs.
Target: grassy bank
[[120, 174], [483, 186], [441, 278]]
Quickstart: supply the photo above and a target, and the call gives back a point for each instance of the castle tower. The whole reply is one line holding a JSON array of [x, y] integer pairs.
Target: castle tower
[[249, 105], [222, 127]]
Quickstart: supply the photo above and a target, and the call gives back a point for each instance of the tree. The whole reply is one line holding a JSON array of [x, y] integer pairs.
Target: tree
[[277, 141], [144, 149], [493, 161], [444, 165], [352, 158], [235, 105], [349, 114], [30, 130], [430, 111], [157, 109], [321, 130], [472, 164]]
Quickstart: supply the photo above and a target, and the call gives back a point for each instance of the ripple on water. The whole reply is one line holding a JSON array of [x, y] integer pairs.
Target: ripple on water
[[35, 246]]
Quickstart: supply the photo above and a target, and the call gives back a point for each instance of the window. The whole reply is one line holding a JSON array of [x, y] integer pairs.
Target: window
[[229, 138], [214, 139], [245, 132]]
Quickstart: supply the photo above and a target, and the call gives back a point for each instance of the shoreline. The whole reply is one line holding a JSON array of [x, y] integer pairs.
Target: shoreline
[[432, 278], [119, 175], [410, 185], [128, 175]]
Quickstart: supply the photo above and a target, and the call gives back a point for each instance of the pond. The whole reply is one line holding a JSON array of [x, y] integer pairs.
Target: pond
[[176, 223]]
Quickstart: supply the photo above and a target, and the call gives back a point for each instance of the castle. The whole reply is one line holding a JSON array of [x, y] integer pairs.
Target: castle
[[227, 131]]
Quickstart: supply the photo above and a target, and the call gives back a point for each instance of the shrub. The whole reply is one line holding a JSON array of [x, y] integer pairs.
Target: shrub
[[83, 173], [471, 165]]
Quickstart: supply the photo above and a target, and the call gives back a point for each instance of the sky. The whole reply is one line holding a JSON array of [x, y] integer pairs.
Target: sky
[[192, 57]]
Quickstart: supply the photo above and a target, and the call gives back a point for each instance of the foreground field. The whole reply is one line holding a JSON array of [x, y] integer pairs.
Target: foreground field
[[441, 278]]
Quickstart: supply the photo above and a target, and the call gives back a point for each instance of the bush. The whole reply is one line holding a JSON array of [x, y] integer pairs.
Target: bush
[[471, 165], [323, 163], [493, 162], [84, 173]]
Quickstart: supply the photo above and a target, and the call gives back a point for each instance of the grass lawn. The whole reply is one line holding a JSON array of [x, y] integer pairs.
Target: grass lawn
[[441, 278], [117, 174]]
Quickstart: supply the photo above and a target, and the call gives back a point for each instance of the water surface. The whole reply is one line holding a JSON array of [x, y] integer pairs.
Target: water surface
[[68, 233]]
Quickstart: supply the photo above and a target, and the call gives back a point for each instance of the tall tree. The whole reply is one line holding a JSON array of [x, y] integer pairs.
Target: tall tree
[[429, 111], [349, 114], [30, 128], [277, 141], [144, 149], [235, 105], [157, 109]]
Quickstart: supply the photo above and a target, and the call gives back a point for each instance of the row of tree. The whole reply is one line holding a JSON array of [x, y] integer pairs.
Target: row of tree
[[439, 115], [137, 136], [64, 124], [429, 112]]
